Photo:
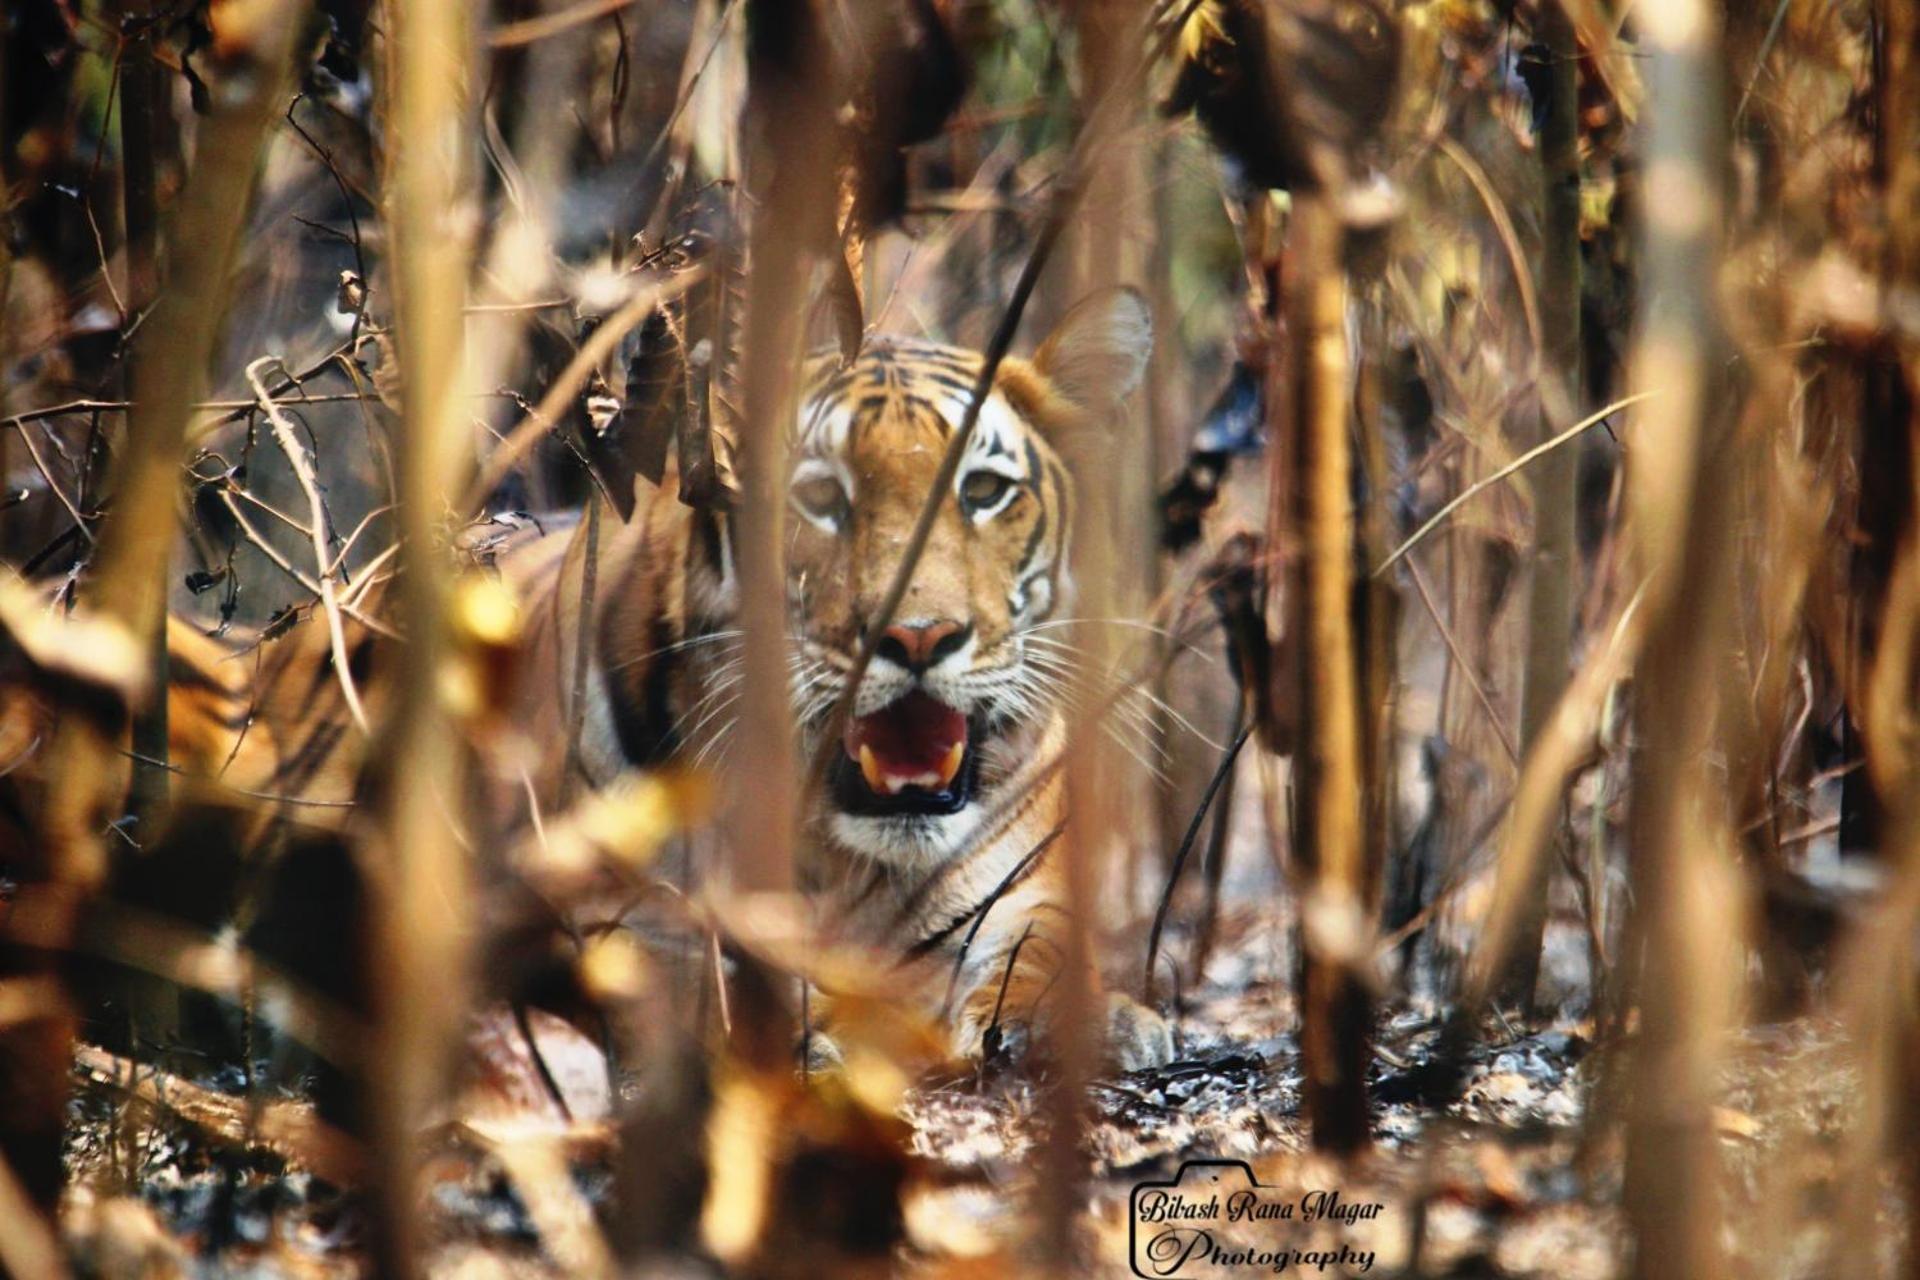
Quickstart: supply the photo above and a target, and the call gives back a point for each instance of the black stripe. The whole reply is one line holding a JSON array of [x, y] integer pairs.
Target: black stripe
[[980, 844], [1033, 545], [1058, 475], [1028, 864], [954, 382], [298, 769], [1039, 530], [184, 673], [643, 719]]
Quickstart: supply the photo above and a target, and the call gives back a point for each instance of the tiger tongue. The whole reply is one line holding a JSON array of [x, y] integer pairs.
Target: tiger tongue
[[914, 741]]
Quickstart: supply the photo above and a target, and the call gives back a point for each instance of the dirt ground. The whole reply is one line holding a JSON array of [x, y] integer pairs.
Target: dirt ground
[[1519, 1176]]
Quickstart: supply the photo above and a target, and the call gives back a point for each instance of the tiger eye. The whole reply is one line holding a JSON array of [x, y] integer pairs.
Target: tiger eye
[[821, 497], [983, 489]]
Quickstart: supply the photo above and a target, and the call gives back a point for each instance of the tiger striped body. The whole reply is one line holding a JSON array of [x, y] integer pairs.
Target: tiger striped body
[[209, 722], [938, 834]]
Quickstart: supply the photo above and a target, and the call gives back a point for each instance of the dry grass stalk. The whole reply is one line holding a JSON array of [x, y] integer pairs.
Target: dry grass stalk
[[1555, 563], [790, 87], [1680, 516], [1878, 968], [1328, 785], [417, 872], [1877, 971], [1539, 451], [1565, 743], [1109, 581]]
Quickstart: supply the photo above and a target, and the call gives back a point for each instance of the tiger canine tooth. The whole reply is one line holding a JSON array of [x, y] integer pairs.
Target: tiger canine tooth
[[951, 765], [870, 769]]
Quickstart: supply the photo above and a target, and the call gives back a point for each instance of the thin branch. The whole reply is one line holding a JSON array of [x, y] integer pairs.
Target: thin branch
[[1220, 775], [1460, 662], [296, 453], [348, 604], [40, 464], [528, 30], [1475, 489], [528, 432]]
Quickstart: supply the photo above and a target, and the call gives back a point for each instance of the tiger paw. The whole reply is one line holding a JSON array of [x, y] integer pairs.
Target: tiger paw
[[1137, 1037]]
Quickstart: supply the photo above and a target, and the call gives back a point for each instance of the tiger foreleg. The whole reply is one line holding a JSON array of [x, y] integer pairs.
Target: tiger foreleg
[[1020, 1000]]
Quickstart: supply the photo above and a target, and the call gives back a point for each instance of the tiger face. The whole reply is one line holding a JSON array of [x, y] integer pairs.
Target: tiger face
[[965, 682]]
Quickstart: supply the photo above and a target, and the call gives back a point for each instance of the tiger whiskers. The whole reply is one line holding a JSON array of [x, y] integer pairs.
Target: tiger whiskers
[[679, 646], [1039, 681], [1133, 697]]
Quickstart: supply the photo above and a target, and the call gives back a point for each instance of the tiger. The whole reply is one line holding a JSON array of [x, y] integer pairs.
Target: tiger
[[937, 833]]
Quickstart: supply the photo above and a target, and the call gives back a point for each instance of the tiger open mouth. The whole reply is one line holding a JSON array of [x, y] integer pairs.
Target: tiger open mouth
[[913, 756]]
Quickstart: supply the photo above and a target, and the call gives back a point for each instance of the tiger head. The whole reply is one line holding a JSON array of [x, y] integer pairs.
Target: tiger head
[[964, 682]]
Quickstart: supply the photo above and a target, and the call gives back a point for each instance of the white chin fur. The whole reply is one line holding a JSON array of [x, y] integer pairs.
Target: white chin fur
[[906, 841]]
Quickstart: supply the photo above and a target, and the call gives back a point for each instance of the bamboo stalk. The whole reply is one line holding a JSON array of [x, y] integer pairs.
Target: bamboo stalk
[[1900, 26], [1376, 603], [1550, 587]]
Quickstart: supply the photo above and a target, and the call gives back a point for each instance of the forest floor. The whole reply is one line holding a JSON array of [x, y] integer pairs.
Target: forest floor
[[1508, 1179]]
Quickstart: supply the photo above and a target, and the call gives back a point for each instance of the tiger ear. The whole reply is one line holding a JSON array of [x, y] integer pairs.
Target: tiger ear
[[1097, 355]]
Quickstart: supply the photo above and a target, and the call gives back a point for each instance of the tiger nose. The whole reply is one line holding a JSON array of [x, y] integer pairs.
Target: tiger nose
[[917, 647]]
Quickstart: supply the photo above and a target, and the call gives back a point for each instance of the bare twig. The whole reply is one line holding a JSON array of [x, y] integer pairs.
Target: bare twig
[[347, 602], [40, 465], [528, 30], [1760, 62], [1220, 774], [1474, 490], [323, 559], [1460, 662], [560, 392]]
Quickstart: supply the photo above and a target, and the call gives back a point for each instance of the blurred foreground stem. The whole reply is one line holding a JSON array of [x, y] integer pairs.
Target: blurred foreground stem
[[1328, 835], [125, 584], [1550, 588], [1681, 508], [140, 101], [417, 872]]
